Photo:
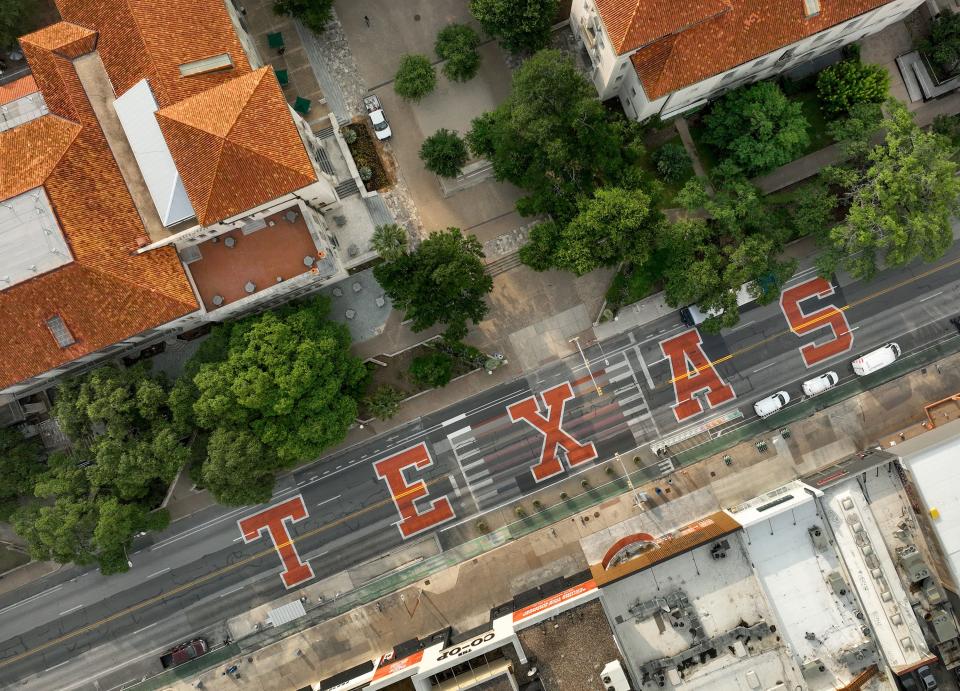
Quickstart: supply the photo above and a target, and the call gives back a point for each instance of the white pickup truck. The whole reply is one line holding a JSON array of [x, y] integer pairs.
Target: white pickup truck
[[381, 126]]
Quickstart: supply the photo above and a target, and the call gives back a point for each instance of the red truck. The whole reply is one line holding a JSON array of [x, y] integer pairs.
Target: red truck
[[184, 653]]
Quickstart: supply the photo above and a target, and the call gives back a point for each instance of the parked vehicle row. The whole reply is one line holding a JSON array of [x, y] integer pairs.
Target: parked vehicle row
[[865, 364]]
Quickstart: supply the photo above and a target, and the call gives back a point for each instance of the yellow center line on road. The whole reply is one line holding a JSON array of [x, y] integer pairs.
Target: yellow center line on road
[[213, 574], [812, 322]]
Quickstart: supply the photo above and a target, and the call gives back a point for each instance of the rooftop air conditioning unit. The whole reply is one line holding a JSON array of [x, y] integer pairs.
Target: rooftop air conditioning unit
[[614, 678]]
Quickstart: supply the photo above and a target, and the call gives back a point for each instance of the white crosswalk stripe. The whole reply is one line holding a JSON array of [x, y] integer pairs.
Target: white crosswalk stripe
[[474, 469]]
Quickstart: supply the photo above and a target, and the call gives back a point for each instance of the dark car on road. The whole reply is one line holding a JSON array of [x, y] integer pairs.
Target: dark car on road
[[184, 653]]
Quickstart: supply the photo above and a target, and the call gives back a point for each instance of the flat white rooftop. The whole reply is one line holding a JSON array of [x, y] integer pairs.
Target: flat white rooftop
[[932, 459], [819, 624], [31, 242], [136, 109], [21, 110]]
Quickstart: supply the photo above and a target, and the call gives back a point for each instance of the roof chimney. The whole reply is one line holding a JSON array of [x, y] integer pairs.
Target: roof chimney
[[811, 8]]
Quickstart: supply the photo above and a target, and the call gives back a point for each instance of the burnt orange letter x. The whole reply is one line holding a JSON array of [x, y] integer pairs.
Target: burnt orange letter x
[[555, 400], [405, 495], [274, 521], [693, 373], [827, 317]]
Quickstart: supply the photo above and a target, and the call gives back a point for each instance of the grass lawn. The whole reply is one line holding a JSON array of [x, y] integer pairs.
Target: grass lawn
[[706, 154], [10, 559], [819, 137]]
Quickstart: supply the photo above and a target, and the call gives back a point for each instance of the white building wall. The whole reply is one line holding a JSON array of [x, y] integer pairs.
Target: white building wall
[[614, 75]]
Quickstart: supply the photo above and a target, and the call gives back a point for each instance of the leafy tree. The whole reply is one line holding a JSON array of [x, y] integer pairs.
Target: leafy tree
[[812, 210], [457, 45], [315, 14], [672, 162], [384, 403], [444, 153], [899, 200], [15, 17], [389, 241], [614, 225], [116, 525], [433, 370], [554, 139], [849, 82], [943, 45], [285, 376], [19, 466], [949, 127], [757, 127], [121, 420], [442, 281], [706, 260], [239, 469], [541, 244], [61, 532], [519, 25], [415, 78]]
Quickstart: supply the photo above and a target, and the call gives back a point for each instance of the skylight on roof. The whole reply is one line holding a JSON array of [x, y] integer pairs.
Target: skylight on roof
[[214, 63], [61, 334], [31, 242]]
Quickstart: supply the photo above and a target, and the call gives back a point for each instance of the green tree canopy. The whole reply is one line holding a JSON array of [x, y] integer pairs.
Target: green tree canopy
[[943, 44], [757, 127], [554, 139], [433, 370], [519, 25], [415, 77], [285, 376], [384, 402], [389, 240], [707, 260], [843, 85], [457, 45], [616, 224], [444, 153], [19, 467], [15, 18], [899, 200], [239, 469], [443, 281], [315, 14]]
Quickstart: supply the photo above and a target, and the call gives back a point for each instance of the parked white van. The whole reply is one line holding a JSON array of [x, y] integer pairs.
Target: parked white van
[[817, 385], [876, 359], [771, 404]]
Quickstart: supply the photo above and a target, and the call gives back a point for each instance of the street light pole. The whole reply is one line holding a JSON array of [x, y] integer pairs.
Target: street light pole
[[623, 467], [576, 339]]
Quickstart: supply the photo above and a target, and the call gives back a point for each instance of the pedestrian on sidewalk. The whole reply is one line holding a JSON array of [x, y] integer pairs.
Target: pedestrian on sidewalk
[[366, 20]]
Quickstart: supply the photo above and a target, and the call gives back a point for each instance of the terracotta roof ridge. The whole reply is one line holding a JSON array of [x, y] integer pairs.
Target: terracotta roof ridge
[[139, 285], [626, 34], [236, 116]]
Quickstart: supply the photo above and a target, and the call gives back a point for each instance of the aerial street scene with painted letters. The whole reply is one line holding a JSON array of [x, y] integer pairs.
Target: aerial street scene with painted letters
[[490, 345]]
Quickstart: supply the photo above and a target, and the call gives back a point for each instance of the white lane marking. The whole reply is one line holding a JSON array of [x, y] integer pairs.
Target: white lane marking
[[473, 465], [302, 482], [930, 297], [646, 372], [636, 409], [760, 369], [286, 491], [326, 501], [31, 598], [148, 626], [237, 539], [628, 399], [453, 420], [231, 592], [158, 573], [742, 326], [198, 528], [72, 609], [59, 665]]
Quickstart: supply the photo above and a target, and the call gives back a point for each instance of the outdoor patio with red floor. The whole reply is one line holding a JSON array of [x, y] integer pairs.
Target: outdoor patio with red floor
[[231, 263]]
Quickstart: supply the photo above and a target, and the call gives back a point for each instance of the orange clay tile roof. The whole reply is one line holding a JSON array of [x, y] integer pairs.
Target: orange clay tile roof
[[635, 23], [245, 162], [18, 89], [146, 38], [720, 40], [108, 292]]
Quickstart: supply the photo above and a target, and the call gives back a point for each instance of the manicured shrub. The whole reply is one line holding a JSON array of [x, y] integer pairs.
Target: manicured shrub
[[672, 162], [444, 153], [842, 86], [457, 44], [433, 370], [415, 77]]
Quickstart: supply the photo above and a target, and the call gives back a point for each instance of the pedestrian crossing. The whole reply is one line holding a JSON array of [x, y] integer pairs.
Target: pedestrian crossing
[[622, 383], [467, 452]]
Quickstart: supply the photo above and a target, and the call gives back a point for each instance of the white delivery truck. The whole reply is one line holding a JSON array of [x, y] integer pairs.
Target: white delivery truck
[[771, 404], [818, 385], [691, 315], [876, 359]]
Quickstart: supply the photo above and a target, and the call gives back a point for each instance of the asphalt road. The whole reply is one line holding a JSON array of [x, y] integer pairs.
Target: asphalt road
[[189, 579]]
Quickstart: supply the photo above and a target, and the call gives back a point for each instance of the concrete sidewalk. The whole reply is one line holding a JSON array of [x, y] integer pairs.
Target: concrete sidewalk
[[462, 595]]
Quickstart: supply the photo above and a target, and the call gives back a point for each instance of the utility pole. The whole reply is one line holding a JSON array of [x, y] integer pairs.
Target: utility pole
[[576, 339]]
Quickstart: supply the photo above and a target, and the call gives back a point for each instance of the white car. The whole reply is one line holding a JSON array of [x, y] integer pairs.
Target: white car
[[771, 404], [381, 127], [818, 385], [876, 359]]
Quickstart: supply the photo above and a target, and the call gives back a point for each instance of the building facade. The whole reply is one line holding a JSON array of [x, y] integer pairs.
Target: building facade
[[152, 178], [663, 58]]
